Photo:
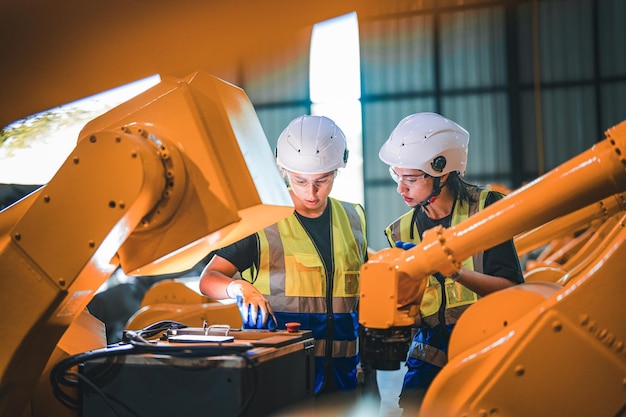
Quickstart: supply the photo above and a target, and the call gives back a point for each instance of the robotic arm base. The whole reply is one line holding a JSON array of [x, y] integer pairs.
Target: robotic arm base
[[384, 349]]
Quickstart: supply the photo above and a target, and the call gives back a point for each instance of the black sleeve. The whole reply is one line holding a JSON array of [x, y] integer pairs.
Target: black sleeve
[[242, 253], [502, 260]]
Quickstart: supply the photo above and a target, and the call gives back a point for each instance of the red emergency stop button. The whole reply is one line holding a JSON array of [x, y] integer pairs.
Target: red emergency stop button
[[293, 327]]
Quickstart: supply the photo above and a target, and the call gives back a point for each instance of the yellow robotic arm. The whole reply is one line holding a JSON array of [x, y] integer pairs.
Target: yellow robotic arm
[[152, 186], [584, 218], [593, 175], [525, 350]]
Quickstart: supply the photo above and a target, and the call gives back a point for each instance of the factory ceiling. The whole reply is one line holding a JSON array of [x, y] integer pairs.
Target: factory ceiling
[[55, 52]]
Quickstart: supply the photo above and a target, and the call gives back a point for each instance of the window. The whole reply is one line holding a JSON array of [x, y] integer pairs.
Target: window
[[34, 148], [335, 90]]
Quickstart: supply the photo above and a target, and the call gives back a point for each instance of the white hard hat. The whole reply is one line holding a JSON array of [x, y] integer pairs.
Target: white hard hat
[[311, 145], [428, 142]]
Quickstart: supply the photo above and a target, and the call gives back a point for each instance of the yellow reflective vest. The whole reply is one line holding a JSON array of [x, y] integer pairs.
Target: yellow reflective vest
[[457, 297], [291, 272], [292, 276]]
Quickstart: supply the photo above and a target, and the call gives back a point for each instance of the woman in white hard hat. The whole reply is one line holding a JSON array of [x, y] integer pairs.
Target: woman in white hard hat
[[427, 158], [306, 267]]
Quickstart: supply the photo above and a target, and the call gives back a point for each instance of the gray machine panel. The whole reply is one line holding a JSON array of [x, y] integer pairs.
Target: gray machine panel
[[254, 375]]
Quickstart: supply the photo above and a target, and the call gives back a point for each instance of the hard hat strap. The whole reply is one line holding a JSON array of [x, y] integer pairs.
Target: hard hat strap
[[437, 186]]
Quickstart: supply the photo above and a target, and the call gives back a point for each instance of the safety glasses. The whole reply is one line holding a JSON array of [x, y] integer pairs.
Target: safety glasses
[[408, 180], [321, 182]]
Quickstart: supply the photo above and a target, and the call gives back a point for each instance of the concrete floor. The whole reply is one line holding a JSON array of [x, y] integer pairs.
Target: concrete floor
[[364, 404]]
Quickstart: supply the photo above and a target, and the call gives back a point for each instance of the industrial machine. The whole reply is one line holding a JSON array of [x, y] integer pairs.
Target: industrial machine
[[176, 300], [212, 370], [152, 186], [538, 348], [565, 242]]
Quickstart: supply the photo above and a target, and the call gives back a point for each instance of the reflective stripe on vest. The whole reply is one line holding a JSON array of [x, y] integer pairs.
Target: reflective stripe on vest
[[428, 353], [341, 348], [458, 297], [291, 272]]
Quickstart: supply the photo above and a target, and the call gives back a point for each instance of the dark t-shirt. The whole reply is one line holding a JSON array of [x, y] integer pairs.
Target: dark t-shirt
[[501, 260], [244, 253]]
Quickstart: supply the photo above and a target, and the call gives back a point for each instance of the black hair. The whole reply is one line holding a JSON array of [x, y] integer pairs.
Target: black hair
[[460, 188]]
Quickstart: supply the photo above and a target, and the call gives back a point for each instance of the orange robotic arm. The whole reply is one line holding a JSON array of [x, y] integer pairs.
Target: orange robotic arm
[[578, 220], [592, 176], [517, 352], [153, 185]]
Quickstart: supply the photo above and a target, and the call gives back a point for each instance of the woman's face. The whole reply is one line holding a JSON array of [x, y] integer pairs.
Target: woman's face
[[310, 191], [414, 185]]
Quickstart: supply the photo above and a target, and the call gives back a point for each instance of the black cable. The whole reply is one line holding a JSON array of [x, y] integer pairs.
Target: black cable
[[108, 399], [154, 329], [61, 375]]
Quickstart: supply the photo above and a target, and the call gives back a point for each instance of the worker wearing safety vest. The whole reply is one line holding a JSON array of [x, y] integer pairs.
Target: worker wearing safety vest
[[427, 158], [306, 267]]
